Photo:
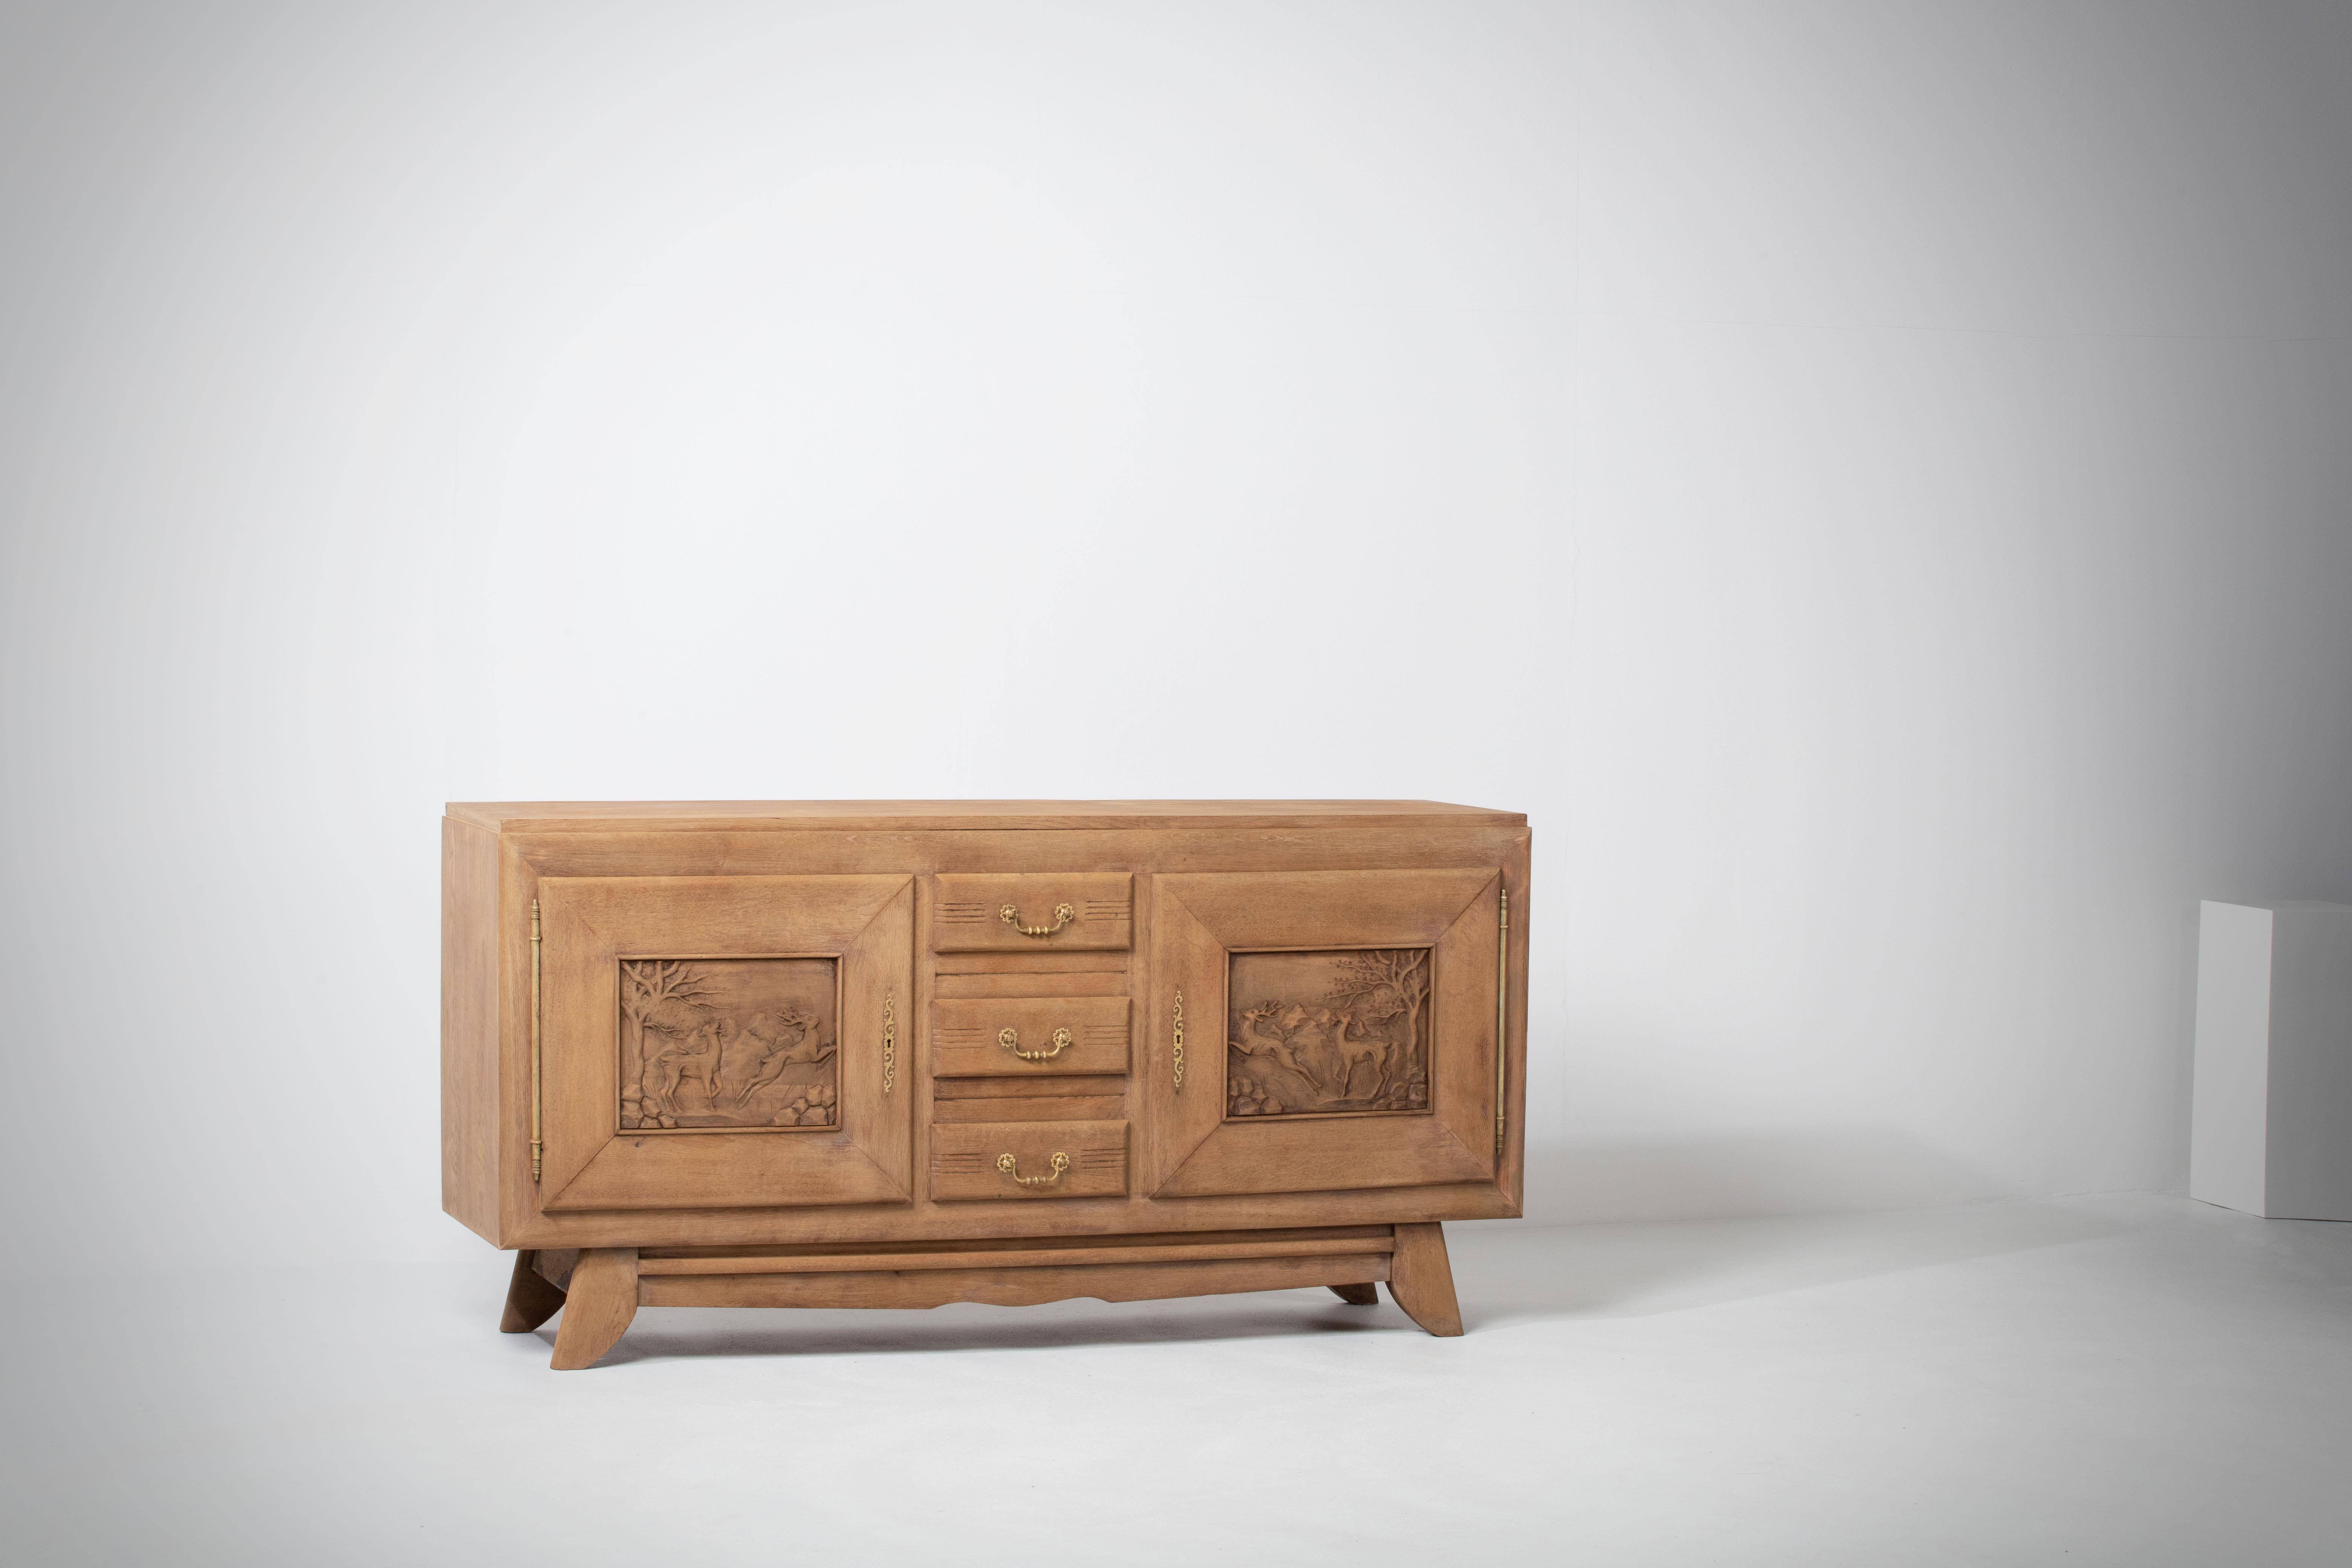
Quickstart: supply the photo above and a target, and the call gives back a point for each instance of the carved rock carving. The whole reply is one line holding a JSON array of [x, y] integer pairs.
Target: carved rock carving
[[732, 1042], [1315, 1033]]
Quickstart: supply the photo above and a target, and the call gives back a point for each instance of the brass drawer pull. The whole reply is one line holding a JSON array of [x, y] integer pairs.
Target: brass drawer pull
[[1007, 1163], [1062, 915], [1010, 1038]]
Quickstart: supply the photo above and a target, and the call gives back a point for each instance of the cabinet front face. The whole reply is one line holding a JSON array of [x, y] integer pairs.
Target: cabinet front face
[[1339, 1031], [725, 1042]]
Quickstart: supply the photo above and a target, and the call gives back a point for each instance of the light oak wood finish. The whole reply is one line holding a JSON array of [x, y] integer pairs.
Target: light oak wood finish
[[555, 1264], [597, 1308], [1009, 1257], [1423, 1281], [531, 1297], [473, 1127], [1053, 911], [1033, 1108], [1361, 1237], [1343, 953], [1358, 1295], [595, 926], [1062, 1035], [1024, 1287], [1035, 1161], [945, 1091], [889, 816], [1194, 1145]]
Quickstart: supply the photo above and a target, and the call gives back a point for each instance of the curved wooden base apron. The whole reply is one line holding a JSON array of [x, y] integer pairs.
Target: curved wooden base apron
[[606, 1286]]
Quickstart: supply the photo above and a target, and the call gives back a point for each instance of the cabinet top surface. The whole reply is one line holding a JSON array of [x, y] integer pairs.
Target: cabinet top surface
[[920, 816]]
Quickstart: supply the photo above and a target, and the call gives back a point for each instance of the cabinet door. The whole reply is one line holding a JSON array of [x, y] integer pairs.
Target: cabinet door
[[725, 1042], [1339, 1031]]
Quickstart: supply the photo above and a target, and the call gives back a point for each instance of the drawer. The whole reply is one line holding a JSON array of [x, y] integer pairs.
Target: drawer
[[1061, 1034], [1082, 910], [968, 1160]]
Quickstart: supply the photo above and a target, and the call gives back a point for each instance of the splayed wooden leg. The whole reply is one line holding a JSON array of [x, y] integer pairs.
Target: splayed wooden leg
[[1358, 1295], [602, 1298], [532, 1299], [1423, 1283]]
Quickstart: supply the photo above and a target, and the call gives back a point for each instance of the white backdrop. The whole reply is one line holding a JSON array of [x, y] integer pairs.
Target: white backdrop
[[1874, 486]]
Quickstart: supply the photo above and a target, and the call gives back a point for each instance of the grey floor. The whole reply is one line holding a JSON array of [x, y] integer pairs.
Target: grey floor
[[2132, 1381]]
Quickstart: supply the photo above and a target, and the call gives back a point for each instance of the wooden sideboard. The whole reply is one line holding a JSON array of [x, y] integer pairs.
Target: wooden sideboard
[[898, 1054]]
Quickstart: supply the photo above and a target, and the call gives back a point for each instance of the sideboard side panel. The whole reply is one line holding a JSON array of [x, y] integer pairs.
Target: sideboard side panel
[[469, 1026], [1513, 1177]]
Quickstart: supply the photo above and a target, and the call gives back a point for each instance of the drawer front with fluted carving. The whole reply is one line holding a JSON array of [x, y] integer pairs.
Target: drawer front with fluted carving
[[995, 1160], [1034, 912], [1019, 1037]]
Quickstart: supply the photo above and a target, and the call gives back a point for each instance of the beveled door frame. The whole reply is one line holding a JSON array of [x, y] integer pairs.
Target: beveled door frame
[[866, 924], [1187, 1145]]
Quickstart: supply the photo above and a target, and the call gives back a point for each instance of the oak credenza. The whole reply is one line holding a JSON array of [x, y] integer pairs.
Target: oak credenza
[[898, 1054]]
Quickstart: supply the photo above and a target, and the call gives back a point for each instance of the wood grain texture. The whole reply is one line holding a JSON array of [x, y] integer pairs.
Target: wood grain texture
[[1169, 856], [925, 1220], [1359, 1295], [967, 1161], [1083, 1034], [471, 1144], [1423, 1279], [1433, 844], [999, 816], [1331, 1032], [1025, 1089], [594, 927], [1192, 1147], [598, 1307], [1375, 1238], [1511, 1179], [1053, 911], [1012, 1287], [1032, 1107], [743, 1042], [972, 965], [657, 1263], [531, 1298], [555, 1264], [1034, 981]]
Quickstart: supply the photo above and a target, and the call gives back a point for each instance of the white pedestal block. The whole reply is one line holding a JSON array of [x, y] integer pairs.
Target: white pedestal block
[[2271, 1130]]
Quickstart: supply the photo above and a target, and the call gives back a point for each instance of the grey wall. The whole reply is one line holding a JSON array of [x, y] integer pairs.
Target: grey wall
[[1872, 483]]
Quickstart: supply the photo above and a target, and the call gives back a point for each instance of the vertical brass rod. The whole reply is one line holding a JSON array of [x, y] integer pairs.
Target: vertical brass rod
[[537, 1144], [1502, 1019]]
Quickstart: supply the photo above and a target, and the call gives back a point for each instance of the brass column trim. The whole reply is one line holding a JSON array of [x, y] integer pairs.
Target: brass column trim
[[538, 1145], [1502, 1019]]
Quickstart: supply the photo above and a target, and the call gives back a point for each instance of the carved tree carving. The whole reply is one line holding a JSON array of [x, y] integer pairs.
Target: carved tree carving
[[671, 994], [1318, 1032], [726, 1043], [1389, 985]]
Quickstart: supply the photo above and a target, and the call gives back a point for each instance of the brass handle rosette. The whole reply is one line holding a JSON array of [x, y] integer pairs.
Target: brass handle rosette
[[1010, 1038], [1062, 915], [1012, 1167]]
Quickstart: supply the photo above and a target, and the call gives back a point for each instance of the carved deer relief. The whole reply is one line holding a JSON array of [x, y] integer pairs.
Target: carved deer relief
[[1321, 1033], [728, 1043]]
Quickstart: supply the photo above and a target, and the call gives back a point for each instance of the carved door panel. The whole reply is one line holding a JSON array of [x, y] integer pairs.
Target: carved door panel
[[725, 1041], [1339, 1031]]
